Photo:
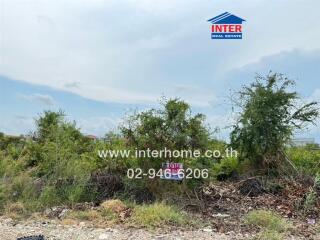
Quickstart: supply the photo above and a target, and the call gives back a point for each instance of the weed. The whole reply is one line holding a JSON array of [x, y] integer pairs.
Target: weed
[[90, 215], [310, 201], [157, 214], [15, 210], [317, 181], [269, 235], [267, 220]]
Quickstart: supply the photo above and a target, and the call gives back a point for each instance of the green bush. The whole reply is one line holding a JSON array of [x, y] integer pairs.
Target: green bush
[[316, 185], [269, 113], [226, 166], [267, 220], [50, 197], [306, 159], [173, 127], [269, 235], [310, 200], [156, 215]]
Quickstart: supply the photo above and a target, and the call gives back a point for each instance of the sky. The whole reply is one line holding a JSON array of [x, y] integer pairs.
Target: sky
[[100, 61]]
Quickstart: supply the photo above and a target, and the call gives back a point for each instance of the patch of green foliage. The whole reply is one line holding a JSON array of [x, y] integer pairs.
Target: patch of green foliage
[[156, 215], [88, 215], [268, 220], [306, 159], [56, 164], [173, 127], [49, 168], [226, 166], [53, 166], [269, 115], [310, 201], [269, 235]]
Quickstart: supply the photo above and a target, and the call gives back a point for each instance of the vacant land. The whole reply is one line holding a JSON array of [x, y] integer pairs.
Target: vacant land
[[53, 181]]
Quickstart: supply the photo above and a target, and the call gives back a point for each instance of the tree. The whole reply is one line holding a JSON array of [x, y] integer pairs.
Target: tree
[[173, 127], [51, 123], [270, 113], [58, 143]]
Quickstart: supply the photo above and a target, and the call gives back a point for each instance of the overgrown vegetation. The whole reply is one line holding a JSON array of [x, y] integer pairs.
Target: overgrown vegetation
[[172, 127], [158, 214], [272, 226], [57, 165], [305, 158], [269, 115]]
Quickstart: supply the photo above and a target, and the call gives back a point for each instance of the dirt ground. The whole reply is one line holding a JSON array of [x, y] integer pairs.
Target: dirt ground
[[55, 231]]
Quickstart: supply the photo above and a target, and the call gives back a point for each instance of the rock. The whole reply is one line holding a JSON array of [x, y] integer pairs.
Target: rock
[[104, 236], [221, 215], [83, 206], [158, 237], [56, 212], [8, 221], [207, 230], [63, 213], [82, 224]]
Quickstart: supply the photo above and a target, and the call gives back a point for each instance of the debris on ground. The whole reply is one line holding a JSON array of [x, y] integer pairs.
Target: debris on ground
[[39, 237], [251, 187]]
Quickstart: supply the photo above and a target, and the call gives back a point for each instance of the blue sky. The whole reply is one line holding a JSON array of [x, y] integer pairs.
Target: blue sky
[[99, 60]]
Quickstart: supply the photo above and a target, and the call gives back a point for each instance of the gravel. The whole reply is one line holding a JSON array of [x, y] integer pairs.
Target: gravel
[[54, 230]]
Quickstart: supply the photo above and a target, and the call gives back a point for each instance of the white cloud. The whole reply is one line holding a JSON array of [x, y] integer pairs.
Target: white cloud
[[40, 98], [98, 126], [17, 125], [136, 50]]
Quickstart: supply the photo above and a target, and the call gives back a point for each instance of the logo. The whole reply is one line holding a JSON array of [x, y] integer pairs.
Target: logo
[[172, 171], [226, 26]]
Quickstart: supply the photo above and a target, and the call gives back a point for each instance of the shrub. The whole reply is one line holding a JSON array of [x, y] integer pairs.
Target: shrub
[[156, 215], [310, 201], [305, 159], [269, 115], [316, 185], [103, 185], [267, 220], [50, 197], [226, 167], [136, 191], [173, 127]]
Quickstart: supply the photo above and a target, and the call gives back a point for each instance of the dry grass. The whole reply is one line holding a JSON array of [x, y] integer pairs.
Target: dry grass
[[115, 206], [69, 222], [89, 215], [157, 215], [16, 210]]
